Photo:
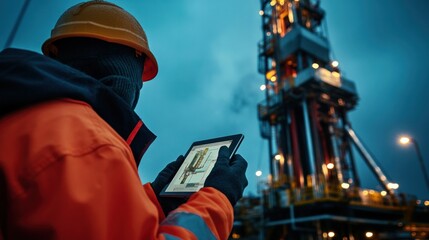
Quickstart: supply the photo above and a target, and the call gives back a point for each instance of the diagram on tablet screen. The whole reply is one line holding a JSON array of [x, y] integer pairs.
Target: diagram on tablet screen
[[194, 171], [196, 167]]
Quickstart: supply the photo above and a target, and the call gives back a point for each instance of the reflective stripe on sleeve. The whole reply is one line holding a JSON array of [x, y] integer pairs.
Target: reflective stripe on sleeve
[[191, 222]]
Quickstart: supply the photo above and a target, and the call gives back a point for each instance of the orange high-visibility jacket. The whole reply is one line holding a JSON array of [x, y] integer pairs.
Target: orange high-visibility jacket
[[65, 173]]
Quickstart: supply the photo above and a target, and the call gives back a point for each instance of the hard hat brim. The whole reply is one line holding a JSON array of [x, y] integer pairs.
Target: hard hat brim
[[93, 30]]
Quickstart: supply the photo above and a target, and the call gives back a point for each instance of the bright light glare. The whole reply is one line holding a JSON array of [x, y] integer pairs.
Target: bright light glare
[[345, 185], [330, 165], [369, 234], [263, 87], [383, 193], [258, 173], [261, 12], [278, 157], [426, 203], [404, 140], [335, 63], [393, 185], [315, 65], [331, 234]]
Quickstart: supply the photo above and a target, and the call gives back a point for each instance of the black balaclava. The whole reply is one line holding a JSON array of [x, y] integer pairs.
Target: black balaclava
[[116, 66]]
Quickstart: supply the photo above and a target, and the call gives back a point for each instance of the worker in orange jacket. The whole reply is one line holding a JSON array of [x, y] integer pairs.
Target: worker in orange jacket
[[70, 141]]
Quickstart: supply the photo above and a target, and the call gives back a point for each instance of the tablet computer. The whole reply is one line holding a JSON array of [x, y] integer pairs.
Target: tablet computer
[[199, 161]]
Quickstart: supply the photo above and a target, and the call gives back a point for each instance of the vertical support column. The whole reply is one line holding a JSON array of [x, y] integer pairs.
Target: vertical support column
[[310, 148], [267, 91], [317, 141], [281, 149], [288, 145], [296, 156], [337, 160], [270, 153], [294, 13], [356, 180], [335, 146]]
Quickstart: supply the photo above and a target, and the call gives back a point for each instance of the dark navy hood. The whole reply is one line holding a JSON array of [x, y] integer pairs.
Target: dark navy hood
[[28, 78]]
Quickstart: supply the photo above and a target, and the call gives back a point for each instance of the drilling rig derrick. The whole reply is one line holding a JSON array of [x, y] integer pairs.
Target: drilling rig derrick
[[304, 114], [314, 190]]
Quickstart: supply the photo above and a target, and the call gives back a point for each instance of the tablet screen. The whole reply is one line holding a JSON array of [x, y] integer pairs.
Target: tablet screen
[[196, 167]]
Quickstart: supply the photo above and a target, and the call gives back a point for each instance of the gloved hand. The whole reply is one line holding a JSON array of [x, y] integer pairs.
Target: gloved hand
[[228, 176], [168, 204]]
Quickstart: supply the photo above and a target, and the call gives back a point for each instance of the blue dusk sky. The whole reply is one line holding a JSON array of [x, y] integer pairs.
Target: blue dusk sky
[[208, 85]]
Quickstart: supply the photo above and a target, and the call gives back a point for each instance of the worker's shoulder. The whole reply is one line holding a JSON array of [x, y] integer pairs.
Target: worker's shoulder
[[39, 137], [68, 125]]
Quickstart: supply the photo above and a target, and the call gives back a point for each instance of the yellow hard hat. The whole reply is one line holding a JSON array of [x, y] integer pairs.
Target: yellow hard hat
[[105, 21]]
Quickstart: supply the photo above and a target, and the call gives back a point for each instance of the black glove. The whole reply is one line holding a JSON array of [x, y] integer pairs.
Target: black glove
[[228, 176], [168, 204]]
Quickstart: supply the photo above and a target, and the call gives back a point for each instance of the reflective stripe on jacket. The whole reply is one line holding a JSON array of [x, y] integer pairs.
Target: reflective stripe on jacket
[[67, 174]]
